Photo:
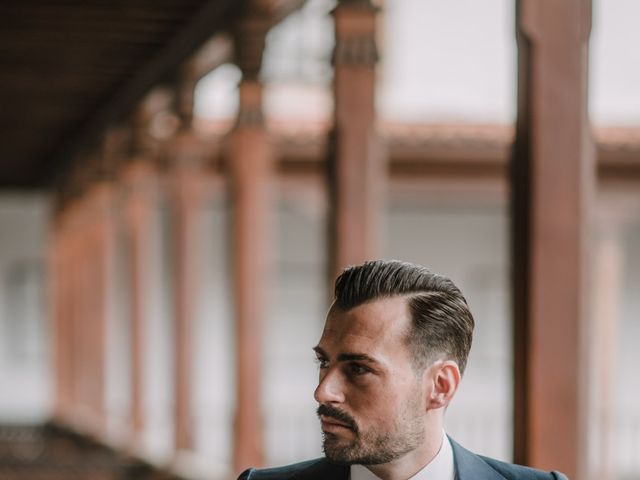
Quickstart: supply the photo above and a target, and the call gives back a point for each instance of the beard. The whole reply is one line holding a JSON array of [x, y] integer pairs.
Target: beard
[[375, 446]]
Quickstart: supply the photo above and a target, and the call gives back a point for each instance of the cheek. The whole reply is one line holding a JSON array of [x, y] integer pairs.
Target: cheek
[[376, 403]]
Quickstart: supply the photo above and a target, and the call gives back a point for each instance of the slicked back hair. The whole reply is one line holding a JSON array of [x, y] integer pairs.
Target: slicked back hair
[[442, 324]]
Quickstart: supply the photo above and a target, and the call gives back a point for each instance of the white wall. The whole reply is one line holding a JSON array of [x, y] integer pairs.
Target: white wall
[[464, 241], [298, 299], [468, 243], [25, 366], [615, 63], [448, 61], [440, 61], [214, 341], [625, 379]]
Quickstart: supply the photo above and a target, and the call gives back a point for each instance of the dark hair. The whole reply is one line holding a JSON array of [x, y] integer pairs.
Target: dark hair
[[441, 320]]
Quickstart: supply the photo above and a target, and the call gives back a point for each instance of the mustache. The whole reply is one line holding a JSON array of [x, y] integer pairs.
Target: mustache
[[343, 417]]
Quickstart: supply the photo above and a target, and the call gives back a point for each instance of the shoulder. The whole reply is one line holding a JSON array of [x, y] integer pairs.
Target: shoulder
[[519, 472], [311, 469], [470, 466]]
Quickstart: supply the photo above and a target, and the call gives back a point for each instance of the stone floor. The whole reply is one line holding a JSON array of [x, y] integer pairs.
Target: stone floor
[[50, 452]]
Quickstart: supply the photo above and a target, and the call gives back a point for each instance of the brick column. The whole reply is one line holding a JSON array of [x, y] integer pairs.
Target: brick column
[[356, 170], [553, 179], [250, 165]]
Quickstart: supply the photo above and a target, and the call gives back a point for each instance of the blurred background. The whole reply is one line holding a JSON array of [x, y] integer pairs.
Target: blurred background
[[180, 181]]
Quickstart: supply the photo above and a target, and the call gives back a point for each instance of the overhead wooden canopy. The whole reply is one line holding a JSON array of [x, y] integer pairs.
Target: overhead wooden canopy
[[68, 69]]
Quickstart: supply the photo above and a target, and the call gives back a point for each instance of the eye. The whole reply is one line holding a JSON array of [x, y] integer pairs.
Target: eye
[[356, 369], [322, 362]]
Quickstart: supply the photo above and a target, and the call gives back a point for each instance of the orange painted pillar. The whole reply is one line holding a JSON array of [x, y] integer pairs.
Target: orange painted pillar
[[139, 182], [553, 182], [356, 168], [250, 165]]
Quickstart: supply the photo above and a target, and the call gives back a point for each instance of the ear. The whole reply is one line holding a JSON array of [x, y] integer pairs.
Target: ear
[[444, 378]]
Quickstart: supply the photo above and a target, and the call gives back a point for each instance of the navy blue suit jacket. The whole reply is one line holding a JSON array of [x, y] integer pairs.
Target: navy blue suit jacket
[[469, 466]]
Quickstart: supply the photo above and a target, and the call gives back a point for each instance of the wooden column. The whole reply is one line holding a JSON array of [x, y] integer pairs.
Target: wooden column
[[99, 257], [185, 202], [250, 166], [59, 292], [139, 182], [82, 307], [85, 297], [187, 164], [356, 171], [553, 179], [64, 355], [76, 301], [79, 297]]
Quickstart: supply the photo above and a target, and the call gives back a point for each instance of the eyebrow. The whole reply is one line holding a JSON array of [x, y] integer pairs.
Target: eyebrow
[[348, 357]]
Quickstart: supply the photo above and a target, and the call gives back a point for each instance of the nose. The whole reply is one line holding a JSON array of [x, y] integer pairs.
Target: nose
[[330, 388]]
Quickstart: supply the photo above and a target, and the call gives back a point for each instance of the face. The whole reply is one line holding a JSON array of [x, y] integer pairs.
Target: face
[[372, 401]]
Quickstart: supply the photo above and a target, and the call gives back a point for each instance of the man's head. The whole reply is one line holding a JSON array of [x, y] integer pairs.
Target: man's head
[[441, 323], [391, 355]]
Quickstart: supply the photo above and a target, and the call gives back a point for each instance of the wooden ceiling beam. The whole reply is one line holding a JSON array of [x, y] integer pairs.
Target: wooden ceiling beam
[[211, 18]]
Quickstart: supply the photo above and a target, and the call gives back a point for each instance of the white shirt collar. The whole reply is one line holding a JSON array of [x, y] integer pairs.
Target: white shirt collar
[[440, 468]]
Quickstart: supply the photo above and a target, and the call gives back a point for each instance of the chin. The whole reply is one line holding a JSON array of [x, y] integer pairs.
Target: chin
[[339, 451]]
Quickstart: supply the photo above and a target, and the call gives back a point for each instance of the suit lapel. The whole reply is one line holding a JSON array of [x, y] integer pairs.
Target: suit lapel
[[323, 470], [470, 466]]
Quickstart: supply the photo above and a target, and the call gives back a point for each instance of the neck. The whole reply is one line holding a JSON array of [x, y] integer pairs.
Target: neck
[[412, 462]]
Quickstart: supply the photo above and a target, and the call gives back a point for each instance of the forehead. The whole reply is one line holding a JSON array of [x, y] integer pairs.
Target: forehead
[[375, 326]]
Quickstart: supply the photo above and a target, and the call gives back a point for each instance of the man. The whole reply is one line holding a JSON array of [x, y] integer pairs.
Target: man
[[391, 356]]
